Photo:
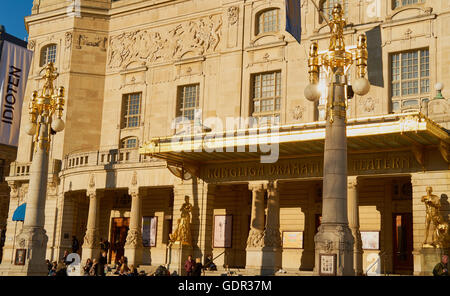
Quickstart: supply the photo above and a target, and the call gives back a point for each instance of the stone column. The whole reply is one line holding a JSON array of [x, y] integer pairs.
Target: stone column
[[353, 223], [91, 245], [33, 237], [133, 245], [255, 241], [334, 236], [272, 236]]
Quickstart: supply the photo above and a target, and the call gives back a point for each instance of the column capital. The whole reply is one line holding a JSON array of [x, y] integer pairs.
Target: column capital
[[273, 186], [257, 185], [133, 191], [352, 182]]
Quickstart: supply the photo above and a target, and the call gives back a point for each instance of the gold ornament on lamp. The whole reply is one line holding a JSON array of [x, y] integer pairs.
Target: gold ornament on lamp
[[337, 61], [43, 107]]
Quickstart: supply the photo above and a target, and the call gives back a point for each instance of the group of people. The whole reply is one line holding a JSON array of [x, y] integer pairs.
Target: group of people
[[96, 267], [122, 268], [59, 268], [195, 268]]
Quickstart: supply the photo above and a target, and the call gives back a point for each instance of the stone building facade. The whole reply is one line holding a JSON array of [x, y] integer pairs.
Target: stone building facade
[[131, 67]]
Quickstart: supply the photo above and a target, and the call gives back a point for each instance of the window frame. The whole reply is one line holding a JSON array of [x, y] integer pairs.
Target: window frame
[[126, 116], [260, 17], [124, 143], [399, 102], [277, 95], [181, 109], [44, 54], [397, 4]]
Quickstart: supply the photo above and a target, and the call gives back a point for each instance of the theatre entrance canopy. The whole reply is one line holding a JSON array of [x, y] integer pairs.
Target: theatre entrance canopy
[[388, 144]]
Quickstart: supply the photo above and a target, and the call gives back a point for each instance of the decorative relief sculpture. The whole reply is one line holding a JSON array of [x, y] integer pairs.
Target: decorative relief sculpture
[[145, 46], [182, 234], [134, 238], [297, 113], [91, 239], [14, 189], [255, 238], [368, 104], [31, 44], [233, 15], [68, 40], [440, 237], [272, 238], [100, 42]]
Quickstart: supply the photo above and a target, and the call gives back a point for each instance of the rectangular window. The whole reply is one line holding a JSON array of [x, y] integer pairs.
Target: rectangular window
[[188, 101], [400, 3], [410, 77], [131, 110], [269, 21], [48, 54], [266, 95], [129, 143]]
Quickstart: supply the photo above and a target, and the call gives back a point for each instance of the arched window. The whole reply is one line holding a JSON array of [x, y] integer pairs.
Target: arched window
[[268, 21], [48, 54], [400, 3], [326, 6], [129, 143]]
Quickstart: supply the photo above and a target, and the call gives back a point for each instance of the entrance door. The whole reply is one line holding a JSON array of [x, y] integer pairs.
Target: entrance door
[[403, 243], [119, 231]]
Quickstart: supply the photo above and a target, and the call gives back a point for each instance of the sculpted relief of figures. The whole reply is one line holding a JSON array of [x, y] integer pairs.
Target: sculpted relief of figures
[[144, 46]]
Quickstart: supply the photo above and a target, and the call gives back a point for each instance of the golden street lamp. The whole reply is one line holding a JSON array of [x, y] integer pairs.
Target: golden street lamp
[[334, 240], [45, 111]]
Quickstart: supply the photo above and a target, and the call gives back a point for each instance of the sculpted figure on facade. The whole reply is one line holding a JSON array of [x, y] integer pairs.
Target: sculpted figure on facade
[[145, 46], [435, 220], [182, 233]]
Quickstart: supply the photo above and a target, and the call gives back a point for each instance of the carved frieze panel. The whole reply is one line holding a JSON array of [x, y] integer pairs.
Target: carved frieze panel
[[195, 38], [89, 40]]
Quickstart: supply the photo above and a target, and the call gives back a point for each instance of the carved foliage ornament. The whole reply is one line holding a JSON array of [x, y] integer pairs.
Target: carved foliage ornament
[[233, 14], [255, 238], [146, 46], [134, 238]]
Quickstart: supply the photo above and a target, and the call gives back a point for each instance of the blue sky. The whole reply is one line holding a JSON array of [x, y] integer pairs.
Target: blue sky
[[12, 13]]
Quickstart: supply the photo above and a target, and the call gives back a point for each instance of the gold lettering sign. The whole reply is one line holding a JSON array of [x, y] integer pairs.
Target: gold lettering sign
[[290, 169], [313, 167]]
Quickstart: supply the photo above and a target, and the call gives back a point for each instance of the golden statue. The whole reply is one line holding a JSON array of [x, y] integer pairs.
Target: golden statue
[[337, 25], [439, 235], [49, 76], [182, 234]]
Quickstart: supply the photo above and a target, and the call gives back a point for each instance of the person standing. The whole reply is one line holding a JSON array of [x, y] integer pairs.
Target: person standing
[[189, 266], [441, 269], [75, 244], [198, 267], [102, 263]]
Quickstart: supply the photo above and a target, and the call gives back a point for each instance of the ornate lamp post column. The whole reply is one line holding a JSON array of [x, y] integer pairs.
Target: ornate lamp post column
[[334, 241], [42, 108]]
